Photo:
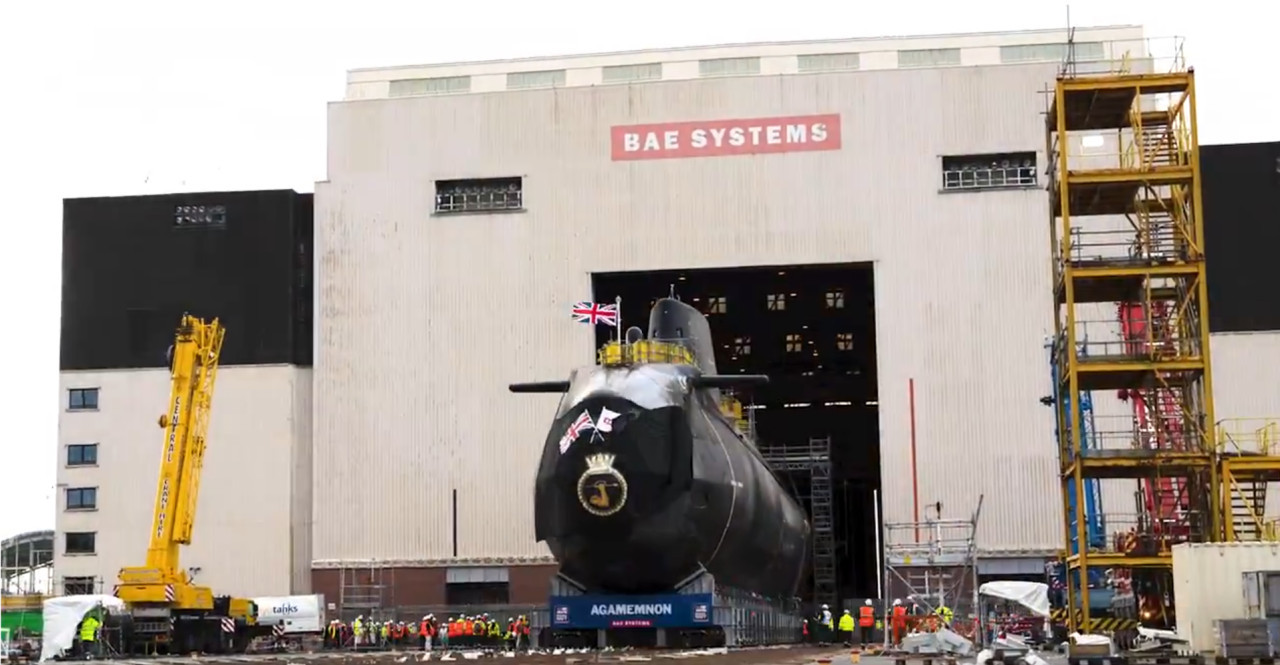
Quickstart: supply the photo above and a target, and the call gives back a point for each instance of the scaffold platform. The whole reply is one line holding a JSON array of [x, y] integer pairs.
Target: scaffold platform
[[1129, 263], [933, 562]]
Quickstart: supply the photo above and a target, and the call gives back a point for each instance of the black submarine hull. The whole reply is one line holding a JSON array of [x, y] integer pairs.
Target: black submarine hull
[[643, 484]]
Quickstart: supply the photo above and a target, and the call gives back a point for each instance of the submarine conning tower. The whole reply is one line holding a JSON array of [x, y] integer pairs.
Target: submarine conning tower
[[678, 335]]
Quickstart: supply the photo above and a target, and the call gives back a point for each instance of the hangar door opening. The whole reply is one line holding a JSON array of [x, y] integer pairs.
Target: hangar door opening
[[810, 328]]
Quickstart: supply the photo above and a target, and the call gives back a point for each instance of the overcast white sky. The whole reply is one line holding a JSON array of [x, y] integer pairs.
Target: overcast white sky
[[132, 97]]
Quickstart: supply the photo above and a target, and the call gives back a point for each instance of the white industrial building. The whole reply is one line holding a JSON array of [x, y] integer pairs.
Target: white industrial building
[[252, 528], [416, 458]]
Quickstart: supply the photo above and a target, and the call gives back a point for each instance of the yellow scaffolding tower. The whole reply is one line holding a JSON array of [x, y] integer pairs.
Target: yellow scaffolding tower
[[1128, 249]]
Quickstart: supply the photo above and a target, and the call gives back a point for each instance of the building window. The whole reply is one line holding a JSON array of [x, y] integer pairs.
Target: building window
[[717, 305], [929, 57], [829, 62], [82, 498], [552, 78], [835, 299], [651, 71], [82, 454], [776, 302], [82, 399], [477, 593], [741, 346], [199, 216], [995, 171], [794, 343], [76, 586], [1052, 52], [442, 85], [480, 195], [729, 67], [80, 542], [844, 341]]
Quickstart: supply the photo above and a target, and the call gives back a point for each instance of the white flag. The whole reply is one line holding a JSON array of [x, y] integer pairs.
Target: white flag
[[605, 422]]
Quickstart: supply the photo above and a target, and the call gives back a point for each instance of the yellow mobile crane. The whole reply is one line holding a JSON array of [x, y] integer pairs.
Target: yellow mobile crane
[[167, 612]]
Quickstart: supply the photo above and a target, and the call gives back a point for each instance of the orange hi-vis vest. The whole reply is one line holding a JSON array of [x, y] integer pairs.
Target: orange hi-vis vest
[[866, 616]]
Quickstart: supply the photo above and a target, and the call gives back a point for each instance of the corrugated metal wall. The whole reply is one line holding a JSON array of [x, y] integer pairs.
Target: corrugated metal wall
[[249, 532], [425, 320]]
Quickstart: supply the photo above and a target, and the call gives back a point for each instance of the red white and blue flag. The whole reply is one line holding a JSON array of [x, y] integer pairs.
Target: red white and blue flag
[[576, 428], [595, 313]]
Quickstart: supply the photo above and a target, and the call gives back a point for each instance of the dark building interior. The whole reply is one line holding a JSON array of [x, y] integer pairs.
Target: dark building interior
[[812, 330], [1241, 189], [132, 265]]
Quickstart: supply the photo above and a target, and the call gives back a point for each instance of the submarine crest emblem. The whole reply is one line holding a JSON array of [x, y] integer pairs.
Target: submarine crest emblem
[[602, 490]]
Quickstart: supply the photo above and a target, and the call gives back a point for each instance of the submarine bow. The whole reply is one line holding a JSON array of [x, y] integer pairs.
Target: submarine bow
[[644, 483]]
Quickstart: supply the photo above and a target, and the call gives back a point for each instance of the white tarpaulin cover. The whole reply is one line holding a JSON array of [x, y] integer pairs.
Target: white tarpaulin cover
[[1031, 595], [62, 617]]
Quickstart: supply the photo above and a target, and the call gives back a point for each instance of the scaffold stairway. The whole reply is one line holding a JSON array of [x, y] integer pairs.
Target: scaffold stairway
[[1248, 508], [822, 519]]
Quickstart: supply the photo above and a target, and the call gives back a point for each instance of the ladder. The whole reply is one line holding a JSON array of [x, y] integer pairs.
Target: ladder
[[822, 520]]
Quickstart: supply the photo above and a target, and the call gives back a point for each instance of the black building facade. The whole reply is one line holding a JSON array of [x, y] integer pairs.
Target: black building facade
[[1241, 184], [132, 265]]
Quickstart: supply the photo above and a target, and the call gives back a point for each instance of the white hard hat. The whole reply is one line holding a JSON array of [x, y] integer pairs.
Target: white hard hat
[[824, 606], [897, 601], [866, 602]]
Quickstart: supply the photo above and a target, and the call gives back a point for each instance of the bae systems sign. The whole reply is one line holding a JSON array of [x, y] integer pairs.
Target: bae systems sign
[[670, 611], [721, 138]]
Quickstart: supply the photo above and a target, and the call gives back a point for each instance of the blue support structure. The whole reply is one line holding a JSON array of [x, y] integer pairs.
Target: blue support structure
[[1095, 524]]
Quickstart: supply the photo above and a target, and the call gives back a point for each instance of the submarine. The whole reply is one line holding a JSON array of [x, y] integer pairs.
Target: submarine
[[646, 483]]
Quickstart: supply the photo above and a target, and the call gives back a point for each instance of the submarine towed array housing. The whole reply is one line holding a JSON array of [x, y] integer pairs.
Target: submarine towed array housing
[[644, 482]]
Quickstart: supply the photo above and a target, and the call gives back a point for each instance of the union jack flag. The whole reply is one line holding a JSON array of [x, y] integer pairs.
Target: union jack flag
[[595, 313], [576, 428]]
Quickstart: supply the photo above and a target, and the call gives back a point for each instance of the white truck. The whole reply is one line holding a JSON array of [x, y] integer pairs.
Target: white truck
[[292, 615]]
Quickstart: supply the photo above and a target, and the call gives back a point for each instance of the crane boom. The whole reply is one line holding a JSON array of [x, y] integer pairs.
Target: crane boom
[[193, 368], [169, 612]]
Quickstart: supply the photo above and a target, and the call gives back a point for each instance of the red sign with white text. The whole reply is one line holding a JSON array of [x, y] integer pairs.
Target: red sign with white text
[[719, 138]]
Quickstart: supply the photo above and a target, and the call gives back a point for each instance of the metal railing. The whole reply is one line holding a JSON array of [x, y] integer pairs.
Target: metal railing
[[1249, 436], [482, 200], [647, 351], [996, 177], [1142, 534], [1153, 55]]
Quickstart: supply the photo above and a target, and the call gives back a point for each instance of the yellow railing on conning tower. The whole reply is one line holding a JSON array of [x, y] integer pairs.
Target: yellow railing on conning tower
[[1249, 436], [643, 352]]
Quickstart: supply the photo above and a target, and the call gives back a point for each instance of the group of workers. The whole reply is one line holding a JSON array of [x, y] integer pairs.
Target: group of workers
[[466, 632], [822, 629]]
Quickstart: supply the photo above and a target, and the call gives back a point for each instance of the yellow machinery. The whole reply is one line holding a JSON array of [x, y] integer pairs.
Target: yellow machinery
[[167, 611]]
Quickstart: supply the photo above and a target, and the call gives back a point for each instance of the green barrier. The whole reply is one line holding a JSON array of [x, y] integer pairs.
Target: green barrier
[[21, 623]]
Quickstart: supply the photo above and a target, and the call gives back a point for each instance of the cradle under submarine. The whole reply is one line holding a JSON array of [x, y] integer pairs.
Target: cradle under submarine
[[646, 483]]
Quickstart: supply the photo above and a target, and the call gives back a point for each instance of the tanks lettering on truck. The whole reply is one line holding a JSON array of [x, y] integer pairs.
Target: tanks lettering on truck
[[294, 614], [718, 138]]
